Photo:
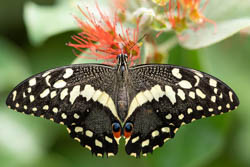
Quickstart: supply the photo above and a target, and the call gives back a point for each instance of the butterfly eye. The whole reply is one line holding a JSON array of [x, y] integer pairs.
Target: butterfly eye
[[128, 129], [116, 129]]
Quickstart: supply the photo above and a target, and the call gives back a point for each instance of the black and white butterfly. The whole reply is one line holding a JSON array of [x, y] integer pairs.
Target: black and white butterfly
[[99, 104]]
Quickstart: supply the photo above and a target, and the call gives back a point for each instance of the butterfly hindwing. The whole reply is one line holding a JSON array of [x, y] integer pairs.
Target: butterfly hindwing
[[93, 129], [166, 97], [79, 96]]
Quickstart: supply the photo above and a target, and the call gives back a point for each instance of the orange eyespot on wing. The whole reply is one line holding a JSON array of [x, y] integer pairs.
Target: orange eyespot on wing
[[116, 129], [128, 128]]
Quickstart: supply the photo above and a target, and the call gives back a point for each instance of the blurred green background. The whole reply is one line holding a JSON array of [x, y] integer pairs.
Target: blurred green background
[[27, 141]]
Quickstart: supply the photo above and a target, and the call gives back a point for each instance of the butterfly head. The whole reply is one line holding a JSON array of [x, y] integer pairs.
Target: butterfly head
[[122, 61]]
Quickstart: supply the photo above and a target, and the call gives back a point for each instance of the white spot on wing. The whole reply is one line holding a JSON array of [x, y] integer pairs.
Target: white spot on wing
[[46, 107], [231, 96], [68, 73], [45, 93], [78, 129], [55, 110], [192, 94], [213, 99], [157, 92], [32, 82], [99, 154], [88, 147], [210, 109], [155, 147], [148, 95], [103, 99], [96, 95], [221, 95], [17, 105], [76, 116], [181, 116], [155, 133], [145, 143], [165, 129], [52, 94], [215, 90], [200, 93], [133, 154], [64, 116], [46, 73], [176, 73], [64, 93], [34, 109], [108, 139], [98, 143], [197, 80], [88, 92], [185, 84], [134, 104], [24, 95], [199, 108], [32, 98], [212, 82], [170, 94], [168, 116], [181, 94], [134, 140], [75, 92], [141, 99], [14, 95], [111, 154], [59, 84], [198, 73], [112, 108], [47, 80], [89, 133], [189, 110], [29, 90]]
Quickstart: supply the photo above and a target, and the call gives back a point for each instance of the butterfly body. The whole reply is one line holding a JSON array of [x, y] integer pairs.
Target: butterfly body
[[99, 104]]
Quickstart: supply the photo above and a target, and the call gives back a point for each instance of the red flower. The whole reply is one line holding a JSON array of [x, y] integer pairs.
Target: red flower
[[103, 40]]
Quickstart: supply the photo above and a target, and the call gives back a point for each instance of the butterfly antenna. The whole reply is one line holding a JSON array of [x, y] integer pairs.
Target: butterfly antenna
[[138, 41]]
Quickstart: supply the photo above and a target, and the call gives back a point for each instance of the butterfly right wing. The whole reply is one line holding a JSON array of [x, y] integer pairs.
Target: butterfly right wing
[[79, 96], [165, 97]]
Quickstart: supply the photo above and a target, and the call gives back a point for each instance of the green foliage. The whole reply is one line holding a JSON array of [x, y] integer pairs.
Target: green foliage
[[219, 141]]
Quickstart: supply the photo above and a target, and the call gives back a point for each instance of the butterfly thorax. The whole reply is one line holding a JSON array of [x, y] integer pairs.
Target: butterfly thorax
[[122, 97]]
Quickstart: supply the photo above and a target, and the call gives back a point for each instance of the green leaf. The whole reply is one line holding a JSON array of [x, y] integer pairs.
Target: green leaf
[[13, 65], [43, 22], [230, 17], [207, 36]]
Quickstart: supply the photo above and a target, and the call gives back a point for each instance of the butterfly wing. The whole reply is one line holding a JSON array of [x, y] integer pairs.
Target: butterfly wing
[[79, 96], [166, 97]]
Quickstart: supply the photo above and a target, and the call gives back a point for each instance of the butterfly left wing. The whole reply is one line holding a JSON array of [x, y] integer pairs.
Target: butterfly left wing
[[164, 97], [75, 96]]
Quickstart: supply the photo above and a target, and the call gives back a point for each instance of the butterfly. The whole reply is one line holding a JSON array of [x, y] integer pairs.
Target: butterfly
[[144, 103]]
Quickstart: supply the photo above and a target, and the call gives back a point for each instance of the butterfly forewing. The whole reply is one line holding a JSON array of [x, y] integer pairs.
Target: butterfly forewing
[[68, 95], [166, 97]]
